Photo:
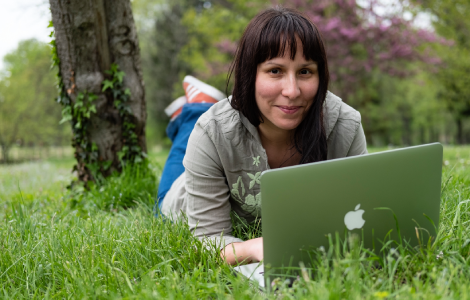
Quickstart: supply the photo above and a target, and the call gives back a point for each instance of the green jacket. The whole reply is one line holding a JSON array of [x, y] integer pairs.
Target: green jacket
[[225, 158]]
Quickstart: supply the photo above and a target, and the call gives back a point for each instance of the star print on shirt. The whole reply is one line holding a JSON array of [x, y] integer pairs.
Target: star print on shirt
[[256, 160], [254, 179]]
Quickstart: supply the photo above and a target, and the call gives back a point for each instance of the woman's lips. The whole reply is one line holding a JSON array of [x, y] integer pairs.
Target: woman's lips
[[289, 109]]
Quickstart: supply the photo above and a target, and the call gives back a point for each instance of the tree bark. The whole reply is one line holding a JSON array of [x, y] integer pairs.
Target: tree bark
[[5, 153], [459, 131], [90, 36], [406, 130]]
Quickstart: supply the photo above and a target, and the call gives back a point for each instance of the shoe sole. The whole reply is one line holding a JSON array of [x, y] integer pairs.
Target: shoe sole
[[175, 105]]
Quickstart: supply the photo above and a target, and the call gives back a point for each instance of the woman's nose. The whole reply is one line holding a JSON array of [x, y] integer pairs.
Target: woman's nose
[[290, 87]]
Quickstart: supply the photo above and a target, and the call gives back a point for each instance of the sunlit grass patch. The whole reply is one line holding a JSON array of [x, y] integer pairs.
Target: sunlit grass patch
[[49, 249], [137, 183]]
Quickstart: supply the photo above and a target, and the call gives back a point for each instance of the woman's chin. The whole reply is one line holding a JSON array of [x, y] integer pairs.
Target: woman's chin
[[287, 125]]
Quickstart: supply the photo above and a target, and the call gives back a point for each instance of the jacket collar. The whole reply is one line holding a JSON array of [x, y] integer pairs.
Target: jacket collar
[[331, 110]]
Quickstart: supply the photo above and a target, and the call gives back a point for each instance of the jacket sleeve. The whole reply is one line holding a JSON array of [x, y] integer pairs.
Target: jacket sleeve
[[207, 192], [358, 145]]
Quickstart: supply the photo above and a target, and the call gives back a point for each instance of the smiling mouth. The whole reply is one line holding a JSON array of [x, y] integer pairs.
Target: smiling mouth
[[289, 109]]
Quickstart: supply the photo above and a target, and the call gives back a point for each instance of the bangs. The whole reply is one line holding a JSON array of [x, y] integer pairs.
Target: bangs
[[280, 36]]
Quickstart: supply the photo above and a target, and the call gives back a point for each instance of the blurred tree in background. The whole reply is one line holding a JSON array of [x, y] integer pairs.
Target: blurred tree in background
[[28, 115], [184, 37], [162, 42], [370, 48], [411, 85], [380, 63], [451, 19]]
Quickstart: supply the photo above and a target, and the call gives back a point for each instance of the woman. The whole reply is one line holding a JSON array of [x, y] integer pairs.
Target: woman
[[280, 114]]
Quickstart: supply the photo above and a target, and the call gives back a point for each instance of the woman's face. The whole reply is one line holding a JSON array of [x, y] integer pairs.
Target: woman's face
[[285, 89]]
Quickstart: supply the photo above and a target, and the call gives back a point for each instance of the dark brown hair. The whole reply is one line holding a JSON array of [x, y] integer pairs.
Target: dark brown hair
[[266, 37]]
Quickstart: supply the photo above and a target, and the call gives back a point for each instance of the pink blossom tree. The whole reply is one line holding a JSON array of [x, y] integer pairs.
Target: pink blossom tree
[[361, 40], [369, 45]]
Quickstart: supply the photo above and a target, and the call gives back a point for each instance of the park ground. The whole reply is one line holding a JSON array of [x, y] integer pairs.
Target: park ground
[[52, 247]]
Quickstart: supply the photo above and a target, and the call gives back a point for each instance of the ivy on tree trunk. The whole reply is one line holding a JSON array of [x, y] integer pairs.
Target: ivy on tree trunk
[[100, 83]]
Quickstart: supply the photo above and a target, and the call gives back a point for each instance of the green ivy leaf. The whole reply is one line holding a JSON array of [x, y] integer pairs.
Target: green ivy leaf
[[106, 164], [65, 119], [92, 97], [113, 69], [67, 111], [121, 155], [119, 76], [107, 84]]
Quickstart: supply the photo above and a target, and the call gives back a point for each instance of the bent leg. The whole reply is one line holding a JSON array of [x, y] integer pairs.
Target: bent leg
[[178, 131]]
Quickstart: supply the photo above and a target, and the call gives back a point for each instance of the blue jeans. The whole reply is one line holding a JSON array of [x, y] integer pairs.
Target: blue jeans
[[178, 131]]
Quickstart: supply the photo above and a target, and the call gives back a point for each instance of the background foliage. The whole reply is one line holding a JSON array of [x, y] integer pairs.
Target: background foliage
[[451, 21], [409, 82], [28, 114], [381, 63]]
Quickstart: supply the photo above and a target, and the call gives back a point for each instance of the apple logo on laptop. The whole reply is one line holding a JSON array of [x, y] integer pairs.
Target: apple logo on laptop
[[353, 219]]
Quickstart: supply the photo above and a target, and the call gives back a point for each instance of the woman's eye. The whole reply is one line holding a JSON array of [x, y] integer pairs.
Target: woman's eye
[[275, 71], [305, 72]]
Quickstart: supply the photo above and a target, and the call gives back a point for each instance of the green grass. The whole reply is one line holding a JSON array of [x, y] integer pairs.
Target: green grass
[[49, 249]]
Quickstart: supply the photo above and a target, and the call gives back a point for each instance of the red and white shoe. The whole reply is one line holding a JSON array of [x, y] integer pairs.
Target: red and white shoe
[[196, 92], [200, 92], [174, 109]]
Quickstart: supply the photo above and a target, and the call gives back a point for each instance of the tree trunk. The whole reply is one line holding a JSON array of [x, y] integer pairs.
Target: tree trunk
[[459, 131], [406, 130], [5, 153], [422, 134], [90, 36]]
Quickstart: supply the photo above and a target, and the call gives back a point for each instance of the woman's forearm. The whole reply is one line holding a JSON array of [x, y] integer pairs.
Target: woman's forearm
[[244, 252]]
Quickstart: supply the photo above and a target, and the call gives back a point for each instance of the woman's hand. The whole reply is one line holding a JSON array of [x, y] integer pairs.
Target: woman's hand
[[245, 252]]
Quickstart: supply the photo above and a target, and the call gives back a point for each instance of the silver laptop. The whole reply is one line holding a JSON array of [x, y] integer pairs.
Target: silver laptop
[[302, 206]]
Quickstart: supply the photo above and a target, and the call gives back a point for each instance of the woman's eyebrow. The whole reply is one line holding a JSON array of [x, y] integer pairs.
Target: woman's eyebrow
[[309, 64], [302, 65], [273, 63]]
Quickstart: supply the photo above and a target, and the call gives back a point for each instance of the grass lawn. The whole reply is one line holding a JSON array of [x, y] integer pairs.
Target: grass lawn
[[49, 249]]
